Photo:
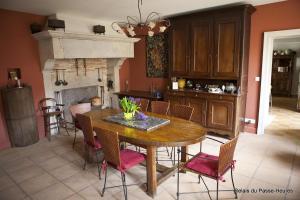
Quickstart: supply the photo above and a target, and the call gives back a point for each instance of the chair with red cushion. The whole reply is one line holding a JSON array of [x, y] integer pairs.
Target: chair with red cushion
[[91, 142], [120, 160], [211, 166], [78, 109]]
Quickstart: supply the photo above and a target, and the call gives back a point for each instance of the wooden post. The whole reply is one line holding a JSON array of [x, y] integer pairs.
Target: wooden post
[[151, 171]]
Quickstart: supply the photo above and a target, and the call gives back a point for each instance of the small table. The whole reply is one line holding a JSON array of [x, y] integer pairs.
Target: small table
[[179, 133]]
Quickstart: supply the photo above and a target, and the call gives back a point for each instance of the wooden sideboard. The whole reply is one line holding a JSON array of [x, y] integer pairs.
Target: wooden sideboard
[[219, 113], [212, 48]]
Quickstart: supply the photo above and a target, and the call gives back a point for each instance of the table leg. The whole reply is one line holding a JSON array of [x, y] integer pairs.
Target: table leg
[[151, 171], [184, 151], [184, 156]]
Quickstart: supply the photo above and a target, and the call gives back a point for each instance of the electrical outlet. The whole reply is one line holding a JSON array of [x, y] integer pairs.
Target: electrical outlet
[[249, 121]]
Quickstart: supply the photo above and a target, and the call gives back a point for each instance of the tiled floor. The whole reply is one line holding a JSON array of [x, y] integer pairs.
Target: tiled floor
[[52, 170]]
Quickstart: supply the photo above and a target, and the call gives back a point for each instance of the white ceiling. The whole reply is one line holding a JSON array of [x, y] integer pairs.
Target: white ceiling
[[116, 9]]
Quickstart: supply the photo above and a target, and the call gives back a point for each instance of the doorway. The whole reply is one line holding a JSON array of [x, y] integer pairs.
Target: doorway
[[270, 38]]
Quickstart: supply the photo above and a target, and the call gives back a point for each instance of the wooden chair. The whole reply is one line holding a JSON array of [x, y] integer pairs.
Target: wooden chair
[[120, 160], [53, 116], [91, 142], [144, 104], [160, 107], [211, 166], [78, 109], [183, 112]]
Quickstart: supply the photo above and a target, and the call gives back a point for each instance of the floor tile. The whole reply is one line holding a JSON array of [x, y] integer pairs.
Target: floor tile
[[53, 163], [54, 192], [64, 171], [5, 181], [38, 183], [26, 173], [12, 193]]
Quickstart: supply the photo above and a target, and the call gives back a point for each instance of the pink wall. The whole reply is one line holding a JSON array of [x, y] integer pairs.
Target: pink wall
[[19, 49], [270, 17], [135, 71]]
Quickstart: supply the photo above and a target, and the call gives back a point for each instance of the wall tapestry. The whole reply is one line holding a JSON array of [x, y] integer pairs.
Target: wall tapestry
[[157, 56]]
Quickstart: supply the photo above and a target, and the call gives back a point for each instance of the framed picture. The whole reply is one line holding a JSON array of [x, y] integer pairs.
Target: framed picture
[[14, 74], [157, 56]]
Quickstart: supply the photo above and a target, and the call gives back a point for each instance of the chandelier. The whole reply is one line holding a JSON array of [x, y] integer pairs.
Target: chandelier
[[153, 23]]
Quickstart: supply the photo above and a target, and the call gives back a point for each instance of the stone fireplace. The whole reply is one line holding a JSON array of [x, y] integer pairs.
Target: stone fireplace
[[82, 60]]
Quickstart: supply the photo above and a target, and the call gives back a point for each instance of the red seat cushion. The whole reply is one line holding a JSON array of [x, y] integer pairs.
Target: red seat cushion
[[204, 164], [97, 144], [130, 158]]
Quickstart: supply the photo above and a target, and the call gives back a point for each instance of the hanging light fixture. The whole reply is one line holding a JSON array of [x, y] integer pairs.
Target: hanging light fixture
[[152, 23]]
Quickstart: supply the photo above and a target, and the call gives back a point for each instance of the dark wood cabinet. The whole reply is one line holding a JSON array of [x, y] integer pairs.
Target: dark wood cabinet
[[202, 48], [211, 45], [214, 50], [220, 114], [180, 53], [200, 107], [226, 49], [282, 74], [20, 116]]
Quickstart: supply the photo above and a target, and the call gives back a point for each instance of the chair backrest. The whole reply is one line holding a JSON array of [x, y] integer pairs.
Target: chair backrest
[[144, 104], [80, 109], [110, 144], [160, 107], [85, 123], [182, 111], [48, 105], [226, 155]]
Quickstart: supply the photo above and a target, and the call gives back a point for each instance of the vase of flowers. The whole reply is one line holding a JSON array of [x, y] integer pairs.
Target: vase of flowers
[[129, 107]]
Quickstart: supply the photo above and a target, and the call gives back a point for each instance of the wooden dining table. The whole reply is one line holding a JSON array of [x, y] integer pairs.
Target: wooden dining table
[[178, 133]]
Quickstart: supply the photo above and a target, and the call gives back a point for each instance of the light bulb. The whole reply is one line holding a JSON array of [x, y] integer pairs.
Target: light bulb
[[151, 25], [131, 33], [150, 33], [162, 29]]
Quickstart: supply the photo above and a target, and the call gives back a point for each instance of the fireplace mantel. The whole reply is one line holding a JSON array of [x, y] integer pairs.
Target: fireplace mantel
[[65, 45]]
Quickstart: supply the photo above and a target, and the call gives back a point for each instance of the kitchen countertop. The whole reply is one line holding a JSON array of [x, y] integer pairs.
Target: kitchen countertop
[[204, 92]]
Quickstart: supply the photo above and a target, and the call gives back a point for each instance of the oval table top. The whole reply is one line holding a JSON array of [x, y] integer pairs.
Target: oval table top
[[178, 132]]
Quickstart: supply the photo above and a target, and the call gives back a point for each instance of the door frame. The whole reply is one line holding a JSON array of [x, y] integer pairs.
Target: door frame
[[266, 73]]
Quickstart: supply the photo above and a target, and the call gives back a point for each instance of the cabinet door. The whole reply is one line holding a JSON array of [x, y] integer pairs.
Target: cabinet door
[[220, 114], [201, 48], [200, 108], [179, 49], [227, 46]]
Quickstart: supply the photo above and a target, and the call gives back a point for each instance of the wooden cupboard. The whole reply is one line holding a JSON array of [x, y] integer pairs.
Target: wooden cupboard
[[210, 45], [226, 46], [282, 74], [201, 48], [179, 42], [219, 113]]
